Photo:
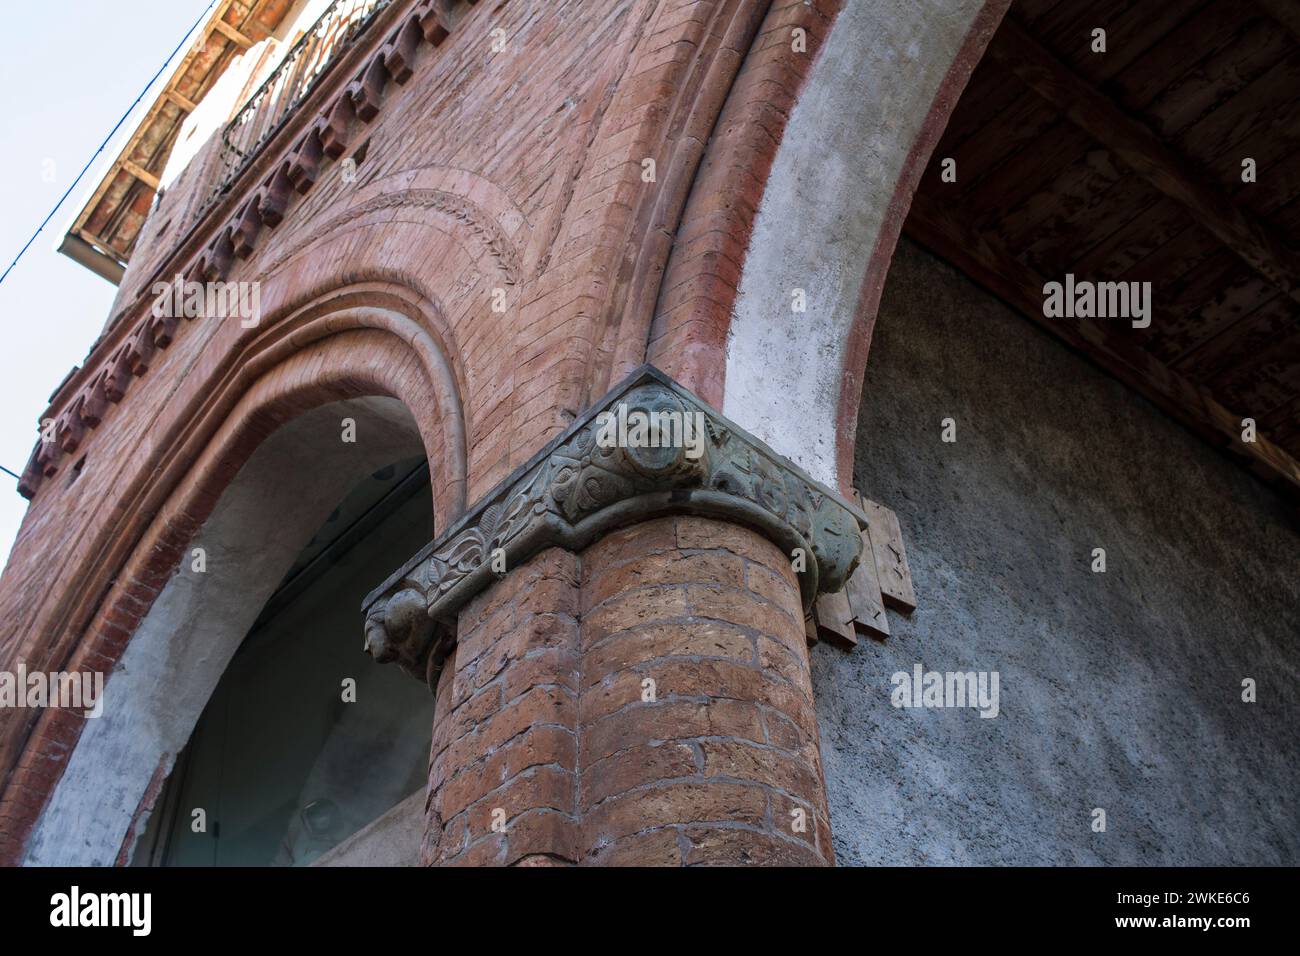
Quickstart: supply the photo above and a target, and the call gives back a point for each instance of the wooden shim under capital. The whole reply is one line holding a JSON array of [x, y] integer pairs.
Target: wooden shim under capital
[[835, 619], [863, 591], [891, 558]]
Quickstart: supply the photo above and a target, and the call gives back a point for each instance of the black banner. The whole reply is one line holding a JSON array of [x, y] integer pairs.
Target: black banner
[[338, 905]]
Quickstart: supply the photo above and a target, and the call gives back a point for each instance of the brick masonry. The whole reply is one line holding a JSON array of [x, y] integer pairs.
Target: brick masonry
[[644, 702], [518, 170]]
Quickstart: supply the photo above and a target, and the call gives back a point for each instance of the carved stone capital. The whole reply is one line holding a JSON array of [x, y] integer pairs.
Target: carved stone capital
[[605, 472]]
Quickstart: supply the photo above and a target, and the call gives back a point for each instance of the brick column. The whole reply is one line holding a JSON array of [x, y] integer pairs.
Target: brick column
[[698, 737], [629, 681], [503, 762]]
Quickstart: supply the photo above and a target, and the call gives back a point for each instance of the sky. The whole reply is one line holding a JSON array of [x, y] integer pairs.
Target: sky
[[69, 69]]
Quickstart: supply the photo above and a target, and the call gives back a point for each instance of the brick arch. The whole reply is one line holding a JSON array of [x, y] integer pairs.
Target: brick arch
[[687, 337], [207, 395], [806, 185], [433, 235], [417, 244], [356, 344], [418, 362]]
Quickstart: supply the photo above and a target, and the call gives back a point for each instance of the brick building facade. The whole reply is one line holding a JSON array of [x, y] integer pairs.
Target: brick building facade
[[481, 225]]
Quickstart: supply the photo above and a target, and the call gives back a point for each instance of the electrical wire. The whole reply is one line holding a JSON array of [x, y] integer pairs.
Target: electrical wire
[[111, 134]]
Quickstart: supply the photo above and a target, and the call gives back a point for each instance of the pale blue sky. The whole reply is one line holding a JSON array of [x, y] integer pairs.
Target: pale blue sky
[[68, 70]]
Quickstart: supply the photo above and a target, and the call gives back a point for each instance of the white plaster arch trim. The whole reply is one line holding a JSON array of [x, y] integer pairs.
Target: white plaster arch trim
[[862, 130], [167, 673]]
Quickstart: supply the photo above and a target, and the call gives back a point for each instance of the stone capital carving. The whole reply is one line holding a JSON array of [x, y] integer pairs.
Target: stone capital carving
[[605, 471]]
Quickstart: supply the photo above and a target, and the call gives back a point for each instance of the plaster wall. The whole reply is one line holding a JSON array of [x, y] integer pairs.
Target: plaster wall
[[1118, 690], [392, 840], [826, 207]]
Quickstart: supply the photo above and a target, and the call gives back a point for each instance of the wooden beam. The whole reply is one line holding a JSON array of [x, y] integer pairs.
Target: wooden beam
[[231, 34], [185, 104], [1253, 241], [100, 243], [256, 29], [1286, 413], [932, 224], [255, 16], [142, 174], [1285, 12]]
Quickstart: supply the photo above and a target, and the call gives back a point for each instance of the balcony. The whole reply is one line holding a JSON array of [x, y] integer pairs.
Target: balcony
[[104, 234], [306, 63], [316, 96]]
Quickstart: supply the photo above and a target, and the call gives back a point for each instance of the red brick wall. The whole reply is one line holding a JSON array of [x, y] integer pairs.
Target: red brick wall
[[518, 170], [688, 336]]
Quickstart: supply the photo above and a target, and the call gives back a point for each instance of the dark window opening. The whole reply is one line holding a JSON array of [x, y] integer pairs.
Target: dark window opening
[[281, 766]]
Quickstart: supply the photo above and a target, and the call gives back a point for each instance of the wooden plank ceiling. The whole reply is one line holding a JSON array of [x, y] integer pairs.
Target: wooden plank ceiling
[[112, 218], [1127, 166]]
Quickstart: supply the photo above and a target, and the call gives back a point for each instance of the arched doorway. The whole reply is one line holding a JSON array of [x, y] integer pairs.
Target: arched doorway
[[1018, 467], [241, 661], [304, 742]]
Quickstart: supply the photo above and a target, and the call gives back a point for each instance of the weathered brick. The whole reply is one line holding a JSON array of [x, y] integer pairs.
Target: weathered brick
[[669, 720], [655, 848], [717, 847], [545, 200], [656, 641], [650, 763]]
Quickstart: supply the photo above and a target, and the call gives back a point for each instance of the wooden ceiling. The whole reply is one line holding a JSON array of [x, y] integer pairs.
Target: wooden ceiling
[[110, 221], [1127, 166]]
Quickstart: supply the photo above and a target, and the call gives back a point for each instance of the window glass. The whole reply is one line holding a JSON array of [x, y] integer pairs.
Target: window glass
[[283, 762]]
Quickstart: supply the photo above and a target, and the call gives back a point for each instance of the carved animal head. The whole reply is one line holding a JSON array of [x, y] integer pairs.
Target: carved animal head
[[398, 628]]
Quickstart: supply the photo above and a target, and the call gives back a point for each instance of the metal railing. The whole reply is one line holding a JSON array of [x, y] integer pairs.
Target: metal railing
[[267, 109]]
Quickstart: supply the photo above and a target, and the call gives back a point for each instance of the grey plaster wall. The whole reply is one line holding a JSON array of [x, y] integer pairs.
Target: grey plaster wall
[[1119, 691], [392, 840]]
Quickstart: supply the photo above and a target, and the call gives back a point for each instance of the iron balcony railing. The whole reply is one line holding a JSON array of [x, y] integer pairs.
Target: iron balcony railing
[[268, 108]]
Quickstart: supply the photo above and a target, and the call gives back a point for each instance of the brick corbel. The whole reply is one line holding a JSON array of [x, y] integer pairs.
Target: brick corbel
[[429, 21], [305, 161], [48, 454], [575, 491], [139, 350], [163, 330], [28, 483], [118, 376], [94, 402], [398, 53], [367, 90], [70, 431], [438, 18], [334, 127], [248, 225], [273, 197], [214, 265]]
